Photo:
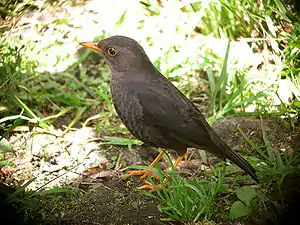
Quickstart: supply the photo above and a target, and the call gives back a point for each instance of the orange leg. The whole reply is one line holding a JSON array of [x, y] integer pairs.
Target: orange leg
[[144, 173], [149, 186], [178, 160]]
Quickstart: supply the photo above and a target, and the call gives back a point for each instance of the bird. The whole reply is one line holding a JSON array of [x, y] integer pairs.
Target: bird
[[154, 110]]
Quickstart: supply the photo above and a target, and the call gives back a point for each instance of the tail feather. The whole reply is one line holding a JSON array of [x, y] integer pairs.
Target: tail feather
[[240, 162], [218, 147], [224, 151]]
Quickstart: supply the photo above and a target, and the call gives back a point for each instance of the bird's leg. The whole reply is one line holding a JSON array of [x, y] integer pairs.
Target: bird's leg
[[186, 156], [178, 160], [148, 185], [145, 173]]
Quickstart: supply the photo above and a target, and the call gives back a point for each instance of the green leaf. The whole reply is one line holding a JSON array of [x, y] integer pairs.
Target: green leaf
[[295, 44], [5, 146], [297, 104], [30, 112], [70, 100], [246, 194], [6, 163], [122, 18], [238, 210], [60, 21], [270, 25], [114, 158]]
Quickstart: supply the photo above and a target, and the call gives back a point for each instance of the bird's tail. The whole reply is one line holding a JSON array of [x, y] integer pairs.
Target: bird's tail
[[226, 152], [240, 162]]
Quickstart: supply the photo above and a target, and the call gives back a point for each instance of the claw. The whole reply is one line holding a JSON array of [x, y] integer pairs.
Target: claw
[[144, 173], [149, 185]]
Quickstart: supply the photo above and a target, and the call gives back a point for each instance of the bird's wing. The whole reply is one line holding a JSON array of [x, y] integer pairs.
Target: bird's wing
[[166, 108]]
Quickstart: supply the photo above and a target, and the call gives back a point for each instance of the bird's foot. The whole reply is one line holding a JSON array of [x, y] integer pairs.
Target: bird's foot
[[143, 173], [149, 185]]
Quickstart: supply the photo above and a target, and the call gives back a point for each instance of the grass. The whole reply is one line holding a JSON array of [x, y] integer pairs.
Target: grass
[[279, 164], [187, 200], [191, 200], [240, 96], [13, 69]]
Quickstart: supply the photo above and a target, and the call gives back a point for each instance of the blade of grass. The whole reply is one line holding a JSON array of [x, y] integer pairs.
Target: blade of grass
[[31, 113], [79, 113]]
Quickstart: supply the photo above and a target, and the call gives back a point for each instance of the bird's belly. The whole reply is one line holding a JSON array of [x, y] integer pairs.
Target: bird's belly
[[130, 112], [134, 123], [151, 135], [131, 116]]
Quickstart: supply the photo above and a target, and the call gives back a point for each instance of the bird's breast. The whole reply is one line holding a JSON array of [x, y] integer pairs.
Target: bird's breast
[[130, 111], [127, 104]]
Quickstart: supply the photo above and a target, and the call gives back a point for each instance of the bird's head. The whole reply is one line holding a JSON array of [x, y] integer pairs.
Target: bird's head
[[120, 52]]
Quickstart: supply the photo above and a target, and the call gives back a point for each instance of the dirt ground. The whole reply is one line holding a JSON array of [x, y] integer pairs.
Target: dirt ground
[[109, 201]]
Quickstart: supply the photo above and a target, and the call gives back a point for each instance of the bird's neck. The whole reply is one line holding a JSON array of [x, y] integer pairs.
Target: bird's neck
[[146, 71]]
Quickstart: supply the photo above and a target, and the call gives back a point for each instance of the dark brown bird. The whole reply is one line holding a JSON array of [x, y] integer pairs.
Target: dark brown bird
[[153, 109]]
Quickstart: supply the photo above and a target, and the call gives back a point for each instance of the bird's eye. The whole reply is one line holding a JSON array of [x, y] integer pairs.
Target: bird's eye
[[111, 52]]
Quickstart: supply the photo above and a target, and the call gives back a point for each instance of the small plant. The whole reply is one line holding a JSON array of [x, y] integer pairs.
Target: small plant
[[190, 200], [243, 206], [276, 164], [186, 200], [14, 68], [240, 94]]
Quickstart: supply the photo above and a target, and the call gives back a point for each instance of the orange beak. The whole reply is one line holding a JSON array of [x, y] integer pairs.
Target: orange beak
[[92, 45]]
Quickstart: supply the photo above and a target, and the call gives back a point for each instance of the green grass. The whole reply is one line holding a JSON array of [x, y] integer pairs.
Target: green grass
[[190, 200], [187, 200], [14, 68], [239, 97]]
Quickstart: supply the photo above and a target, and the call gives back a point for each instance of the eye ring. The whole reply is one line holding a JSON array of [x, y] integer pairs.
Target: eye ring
[[111, 52]]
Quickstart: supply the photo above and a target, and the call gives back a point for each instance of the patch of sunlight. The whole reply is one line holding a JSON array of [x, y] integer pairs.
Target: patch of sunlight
[[55, 33], [55, 159], [284, 91]]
